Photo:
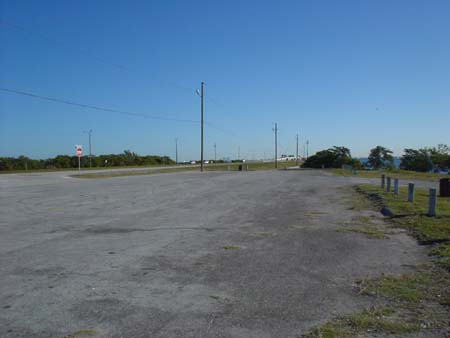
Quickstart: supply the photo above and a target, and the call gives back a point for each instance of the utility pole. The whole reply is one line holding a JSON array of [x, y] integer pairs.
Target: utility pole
[[201, 147], [276, 144], [90, 149], [307, 149], [176, 150], [215, 152], [296, 155], [239, 153]]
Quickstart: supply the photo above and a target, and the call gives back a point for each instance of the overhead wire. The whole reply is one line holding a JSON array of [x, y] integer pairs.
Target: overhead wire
[[95, 107]]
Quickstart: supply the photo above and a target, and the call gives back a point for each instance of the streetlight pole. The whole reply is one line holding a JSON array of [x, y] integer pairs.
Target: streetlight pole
[[176, 150], [90, 149], [296, 155], [307, 149], [215, 152]]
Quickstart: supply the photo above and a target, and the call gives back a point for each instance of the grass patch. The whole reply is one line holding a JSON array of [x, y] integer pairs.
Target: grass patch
[[111, 174], [216, 297], [369, 231], [442, 254], [82, 334], [252, 166], [381, 320], [409, 288], [231, 247], [397, 173], [363, 225]]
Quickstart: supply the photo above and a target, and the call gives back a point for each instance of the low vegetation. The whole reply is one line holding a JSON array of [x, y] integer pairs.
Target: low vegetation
[[370, 231], [252, 166], [231, 247], [110, 174], [126, 159]]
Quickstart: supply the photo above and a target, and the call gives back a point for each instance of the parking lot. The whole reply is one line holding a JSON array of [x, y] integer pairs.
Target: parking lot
[[218, 254]]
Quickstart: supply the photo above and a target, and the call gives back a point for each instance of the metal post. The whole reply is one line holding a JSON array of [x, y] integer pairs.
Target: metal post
[[176, 151], [396, 186], [432, 202], [202, 93], [79, 163], [388, 184], [215, 152], [90, 150], [276, 145], [383, 181], [307, 149], [411, 192], [296, 155]]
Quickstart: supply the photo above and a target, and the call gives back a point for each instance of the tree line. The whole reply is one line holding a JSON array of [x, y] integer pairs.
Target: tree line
[[127, 158], [424, 159]]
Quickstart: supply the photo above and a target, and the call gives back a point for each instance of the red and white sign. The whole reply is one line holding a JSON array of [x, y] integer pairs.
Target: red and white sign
[[79, 150]]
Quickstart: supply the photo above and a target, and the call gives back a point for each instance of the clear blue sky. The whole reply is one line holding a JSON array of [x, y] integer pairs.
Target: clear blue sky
[[352, 73]]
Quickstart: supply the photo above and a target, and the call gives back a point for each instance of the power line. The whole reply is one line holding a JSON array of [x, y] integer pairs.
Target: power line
[[77, 104]]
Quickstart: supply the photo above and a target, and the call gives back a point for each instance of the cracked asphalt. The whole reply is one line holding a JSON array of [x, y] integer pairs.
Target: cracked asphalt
[[218, 254]]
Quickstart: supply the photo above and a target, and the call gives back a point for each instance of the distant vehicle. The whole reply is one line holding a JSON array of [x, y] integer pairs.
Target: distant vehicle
[[287, 158], [193, 162], [206, 162]]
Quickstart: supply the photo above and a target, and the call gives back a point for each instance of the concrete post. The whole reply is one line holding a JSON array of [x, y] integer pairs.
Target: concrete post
[[228, 168], [396, 186], [246, 167], [383, 181], [411, 192], [432, 202], [388, 184]]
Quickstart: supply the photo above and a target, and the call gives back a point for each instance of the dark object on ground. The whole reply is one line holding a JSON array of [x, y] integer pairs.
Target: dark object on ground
[[387, 212], [444, 187]]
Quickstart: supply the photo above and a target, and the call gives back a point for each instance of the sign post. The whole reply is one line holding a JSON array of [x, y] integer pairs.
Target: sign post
[[79, 153]]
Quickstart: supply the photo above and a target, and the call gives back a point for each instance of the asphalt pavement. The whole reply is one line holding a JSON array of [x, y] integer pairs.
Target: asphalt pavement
[[218, 254]]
